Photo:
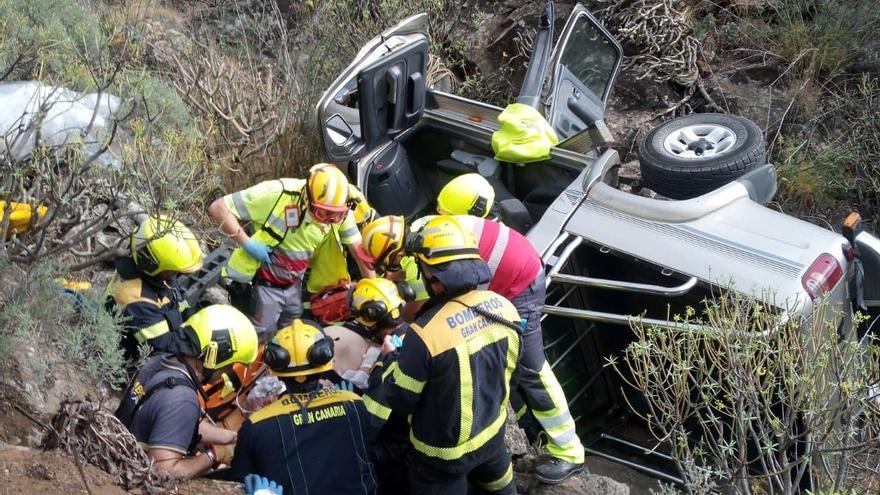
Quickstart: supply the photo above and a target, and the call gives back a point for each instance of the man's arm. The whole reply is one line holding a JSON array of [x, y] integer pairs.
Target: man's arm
[[171, 422], [178, 465], [405, 377], [216, 435], [227, 222], [366, 271]]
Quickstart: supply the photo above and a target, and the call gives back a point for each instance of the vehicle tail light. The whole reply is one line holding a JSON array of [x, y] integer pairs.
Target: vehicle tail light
[[822, 276]]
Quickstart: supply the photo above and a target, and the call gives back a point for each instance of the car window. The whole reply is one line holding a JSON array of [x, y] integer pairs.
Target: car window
[[344, 124], [591, 56]]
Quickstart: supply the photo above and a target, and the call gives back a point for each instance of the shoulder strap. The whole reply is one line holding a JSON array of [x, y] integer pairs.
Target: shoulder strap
[[170, 382], [517, 327], [296, 195]]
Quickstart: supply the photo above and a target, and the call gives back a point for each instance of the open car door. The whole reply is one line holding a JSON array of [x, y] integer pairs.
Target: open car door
[[380, 95], [584, 65]]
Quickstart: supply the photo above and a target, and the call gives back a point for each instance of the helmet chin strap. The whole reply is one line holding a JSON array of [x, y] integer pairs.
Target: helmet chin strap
[[193, 375]]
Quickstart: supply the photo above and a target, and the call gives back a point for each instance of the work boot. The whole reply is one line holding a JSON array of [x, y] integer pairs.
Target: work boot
[[556, 471]]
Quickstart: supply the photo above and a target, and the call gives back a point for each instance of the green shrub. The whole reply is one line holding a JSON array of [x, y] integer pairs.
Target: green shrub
[[820, 38], [43, 39], [34, 309]]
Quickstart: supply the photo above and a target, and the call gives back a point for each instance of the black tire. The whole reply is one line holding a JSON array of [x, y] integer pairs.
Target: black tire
[[674, 167]]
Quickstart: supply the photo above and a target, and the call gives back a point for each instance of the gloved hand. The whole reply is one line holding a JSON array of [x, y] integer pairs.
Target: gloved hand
[[266, 390], [259, 485], [257, 250]]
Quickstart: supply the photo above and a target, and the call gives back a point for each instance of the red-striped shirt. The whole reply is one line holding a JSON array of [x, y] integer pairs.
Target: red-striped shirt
[[512, 259]]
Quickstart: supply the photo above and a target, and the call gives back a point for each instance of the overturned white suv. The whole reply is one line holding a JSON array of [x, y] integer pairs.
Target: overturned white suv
[[609, 254]]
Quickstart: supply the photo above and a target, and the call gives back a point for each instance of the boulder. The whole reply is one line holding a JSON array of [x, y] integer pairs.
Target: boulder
[[583, 484]]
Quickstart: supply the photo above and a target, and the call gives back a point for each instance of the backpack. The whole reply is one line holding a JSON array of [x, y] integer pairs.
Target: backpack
[[131, 402]]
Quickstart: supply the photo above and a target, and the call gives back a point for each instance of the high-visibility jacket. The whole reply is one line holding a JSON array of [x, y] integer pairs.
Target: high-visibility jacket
[[412, 276], [151, 308], [452, 375], [329, 265], [279, 213]]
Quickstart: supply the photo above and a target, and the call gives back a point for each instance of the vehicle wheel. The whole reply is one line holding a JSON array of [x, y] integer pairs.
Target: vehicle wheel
[[692, 155]]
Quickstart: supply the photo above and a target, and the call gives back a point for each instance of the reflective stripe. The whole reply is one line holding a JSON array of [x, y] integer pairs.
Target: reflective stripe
[[557, 422], [498, 249], [500, 483], [477, 227], [240, 206], [278, 223], [349, 234], [565, 437], [376, 409], [553, 420], [389, 371], [152, 331], [465, 392], [521, 412], [296, 255], [407, 382], [452, 453], [230, 272]]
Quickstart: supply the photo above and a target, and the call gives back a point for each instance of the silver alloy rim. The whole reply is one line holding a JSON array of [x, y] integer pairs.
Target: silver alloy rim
[[700, 141]]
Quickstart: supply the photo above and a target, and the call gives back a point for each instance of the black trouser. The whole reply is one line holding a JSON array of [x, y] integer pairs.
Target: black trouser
[[490, 472], [390, 465], [536, 385]]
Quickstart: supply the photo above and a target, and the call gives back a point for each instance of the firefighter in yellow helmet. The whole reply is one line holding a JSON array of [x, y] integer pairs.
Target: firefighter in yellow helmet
[[518, 274], [328, 280], [291, 217], [452, 373], [311, 439], [382, 250], [378, 306], [144, 288], [468, 194], [161, 405]]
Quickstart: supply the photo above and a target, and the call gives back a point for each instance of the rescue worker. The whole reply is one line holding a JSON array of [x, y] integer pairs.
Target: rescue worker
[[518, 275], [382, 250], [311, 439], [453, 372], [161, 406], [291, 217], [328, 279], [144, 287], [378, 308]]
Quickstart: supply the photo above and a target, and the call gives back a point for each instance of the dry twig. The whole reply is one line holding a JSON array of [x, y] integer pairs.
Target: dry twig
[[86, 429]]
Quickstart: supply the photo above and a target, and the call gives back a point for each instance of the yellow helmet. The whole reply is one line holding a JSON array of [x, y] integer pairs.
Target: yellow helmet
[[327, 192], [442, 240], [468, 194], [382, 238], [299, 350], [374, 300], [220, 335], [160, 244], [364, 214]]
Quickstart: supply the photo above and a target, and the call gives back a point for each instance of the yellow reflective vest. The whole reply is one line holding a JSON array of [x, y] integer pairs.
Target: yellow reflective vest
[[279, 213]]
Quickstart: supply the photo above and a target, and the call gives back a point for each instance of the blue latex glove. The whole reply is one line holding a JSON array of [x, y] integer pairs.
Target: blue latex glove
[[259, 485], [257, 250], [345, 385]]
